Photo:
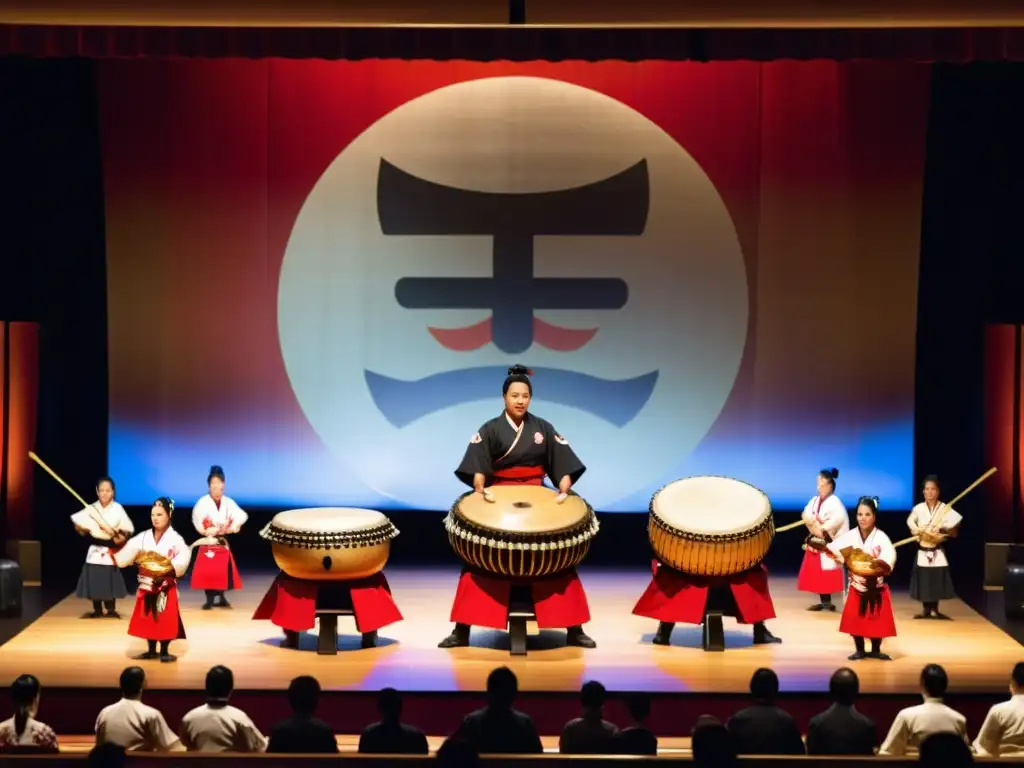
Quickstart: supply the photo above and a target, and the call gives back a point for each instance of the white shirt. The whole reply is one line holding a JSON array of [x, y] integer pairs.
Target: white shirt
[[921, 516], [220, 729], [833, 518], [877, 544], [135, 726], [227, 518], [171, 546], [114, 516], [1002, 733], [913, 724]]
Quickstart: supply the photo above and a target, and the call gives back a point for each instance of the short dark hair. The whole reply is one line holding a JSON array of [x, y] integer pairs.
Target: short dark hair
[[220, 682], [592, 694], [844, 686], [132, 680], [502, 686], [764, 684], [1018, 674], [303, 694], [108, 754], [389, 704], [944, 749], [639, 706], [934, 680]]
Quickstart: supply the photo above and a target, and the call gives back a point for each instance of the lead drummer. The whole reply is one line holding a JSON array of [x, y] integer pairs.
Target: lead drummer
[[519, 447]]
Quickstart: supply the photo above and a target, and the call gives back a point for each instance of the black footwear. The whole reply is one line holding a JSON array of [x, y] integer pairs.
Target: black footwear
[[369, 639], [664, 634], [94, 615], [577, 637], [942, 616], [459, 638], [763, 637], [924, 615], [880, 656], [857, 656], [167, 658], [113, 615], [147, 656], [207, 606], [291, 640], [821, 607]]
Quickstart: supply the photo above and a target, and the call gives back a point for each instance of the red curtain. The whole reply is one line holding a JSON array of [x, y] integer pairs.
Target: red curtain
[[1004, 430], [516, 43], [19, 380]]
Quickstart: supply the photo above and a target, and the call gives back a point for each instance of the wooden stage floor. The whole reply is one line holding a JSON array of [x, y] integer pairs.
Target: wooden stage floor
[[66, 651]]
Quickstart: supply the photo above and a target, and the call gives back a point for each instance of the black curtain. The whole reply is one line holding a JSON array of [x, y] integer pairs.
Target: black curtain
[[972, 273], [54, 273]]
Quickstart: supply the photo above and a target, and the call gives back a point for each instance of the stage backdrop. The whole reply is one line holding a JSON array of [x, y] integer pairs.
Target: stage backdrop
[[319, 272]]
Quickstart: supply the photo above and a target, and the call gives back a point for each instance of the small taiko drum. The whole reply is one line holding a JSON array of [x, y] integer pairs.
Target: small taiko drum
[[330, 543], [710, 526], [523, 533], [154, 565]]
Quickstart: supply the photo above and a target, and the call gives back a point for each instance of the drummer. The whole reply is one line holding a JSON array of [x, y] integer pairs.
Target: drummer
[[156, 617], [930, 581], [519, 447], [108, 526], [868, 609], [214, 517], [826, 518]]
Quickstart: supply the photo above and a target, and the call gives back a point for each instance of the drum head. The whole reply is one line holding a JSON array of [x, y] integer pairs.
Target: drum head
[[328, 520], [711, 505], [522, 509]]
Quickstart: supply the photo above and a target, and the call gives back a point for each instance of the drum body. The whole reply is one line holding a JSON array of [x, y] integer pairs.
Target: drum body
[[330, 543], [523, 533], [710, 526]]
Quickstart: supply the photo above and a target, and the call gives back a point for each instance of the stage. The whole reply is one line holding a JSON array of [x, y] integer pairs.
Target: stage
[[78, 660]]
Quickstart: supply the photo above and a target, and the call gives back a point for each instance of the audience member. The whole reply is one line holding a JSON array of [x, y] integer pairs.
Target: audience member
[[498, 728], [712, 745], [1002, 733], [945, 750], [589, 734], [455, 753], [913, 724], [637, 738], [23, 733], [302, 733], [390, 736], [763, 728], [132, 724], [108, 755], [841, 729], [216, 726]]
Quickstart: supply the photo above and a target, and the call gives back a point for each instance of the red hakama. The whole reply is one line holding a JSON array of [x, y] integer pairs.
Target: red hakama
[[868, 614], [482, 600], [215, 569], [150, 625], [677, 597], [813, 578], [291, 603]]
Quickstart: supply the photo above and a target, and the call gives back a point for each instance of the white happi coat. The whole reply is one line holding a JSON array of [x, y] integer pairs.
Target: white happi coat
[[920, 518], [833, 517], [229, 518], [877, 544], [171, 546], [114, 517]]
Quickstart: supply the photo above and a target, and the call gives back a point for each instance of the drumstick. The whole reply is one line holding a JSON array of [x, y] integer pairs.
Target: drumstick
[[54, 475], [969, 488], [790, 527]]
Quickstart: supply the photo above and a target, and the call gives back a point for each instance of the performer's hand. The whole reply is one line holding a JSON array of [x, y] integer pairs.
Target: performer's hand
[[119, 538], [563, 490], [211, 531]]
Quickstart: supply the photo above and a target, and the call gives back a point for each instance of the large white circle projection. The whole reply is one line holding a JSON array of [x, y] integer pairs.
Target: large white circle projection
[[490, 200]]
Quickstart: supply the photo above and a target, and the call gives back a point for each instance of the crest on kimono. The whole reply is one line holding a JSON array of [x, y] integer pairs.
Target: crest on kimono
[[561, 440], [538, 437], [475, 439]]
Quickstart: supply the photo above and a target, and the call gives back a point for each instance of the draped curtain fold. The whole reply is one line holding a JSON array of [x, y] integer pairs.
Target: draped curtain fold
[[515, 43]]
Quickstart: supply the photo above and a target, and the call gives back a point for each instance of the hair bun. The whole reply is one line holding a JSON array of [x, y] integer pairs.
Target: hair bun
[[519, 370], [216, 469], [875, 499], [834, 473]]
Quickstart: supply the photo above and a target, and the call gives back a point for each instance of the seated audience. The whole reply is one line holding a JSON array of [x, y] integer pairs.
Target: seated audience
[[216, 726], [841, 729], [108, 755], [132, 724], [390, 736], [1002, 733], [498, 728], [712, 744], [302, 733], [763, 728], [589, 734], [636, 738], [913, 724], [23, 733], [945, 750], [455, 753]]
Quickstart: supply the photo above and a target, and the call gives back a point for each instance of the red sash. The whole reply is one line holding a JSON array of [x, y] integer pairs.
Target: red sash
[[527, 475]]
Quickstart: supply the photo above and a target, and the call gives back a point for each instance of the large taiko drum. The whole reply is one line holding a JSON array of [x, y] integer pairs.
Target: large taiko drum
[[330, 543], [523, 533], [710, 526]]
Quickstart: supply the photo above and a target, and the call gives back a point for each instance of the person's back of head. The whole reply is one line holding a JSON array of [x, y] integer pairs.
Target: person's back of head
[[639, 707], [502, 687], [25, 696], [711, 744], [303, 695], [1017, 678], [944, 750], [133, 679], [844, 686], [108, 755], [592, 696], [455, 753], [389, 705], [934, 681], [220, 682], [764, 685]]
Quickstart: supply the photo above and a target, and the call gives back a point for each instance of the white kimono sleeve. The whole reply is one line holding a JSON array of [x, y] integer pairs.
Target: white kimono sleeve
[[125, 556], [238, 517], [203, 509], [182, 556]]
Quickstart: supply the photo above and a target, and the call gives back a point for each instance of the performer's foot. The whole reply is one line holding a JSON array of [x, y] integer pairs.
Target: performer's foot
[[224, 602], [857, 656], [94, 615], [207, 606], [369, 639], [822, 607], [147, 656], [577, 637], [942, 616], [291, 640], [664, 634], [167, 658], [459, 638], [880, 656], [763, 637], [924, 615], [113, 615]]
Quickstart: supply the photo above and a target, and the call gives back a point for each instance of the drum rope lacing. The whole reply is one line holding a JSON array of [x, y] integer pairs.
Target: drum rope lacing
[[572, 536], [369, 537]]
